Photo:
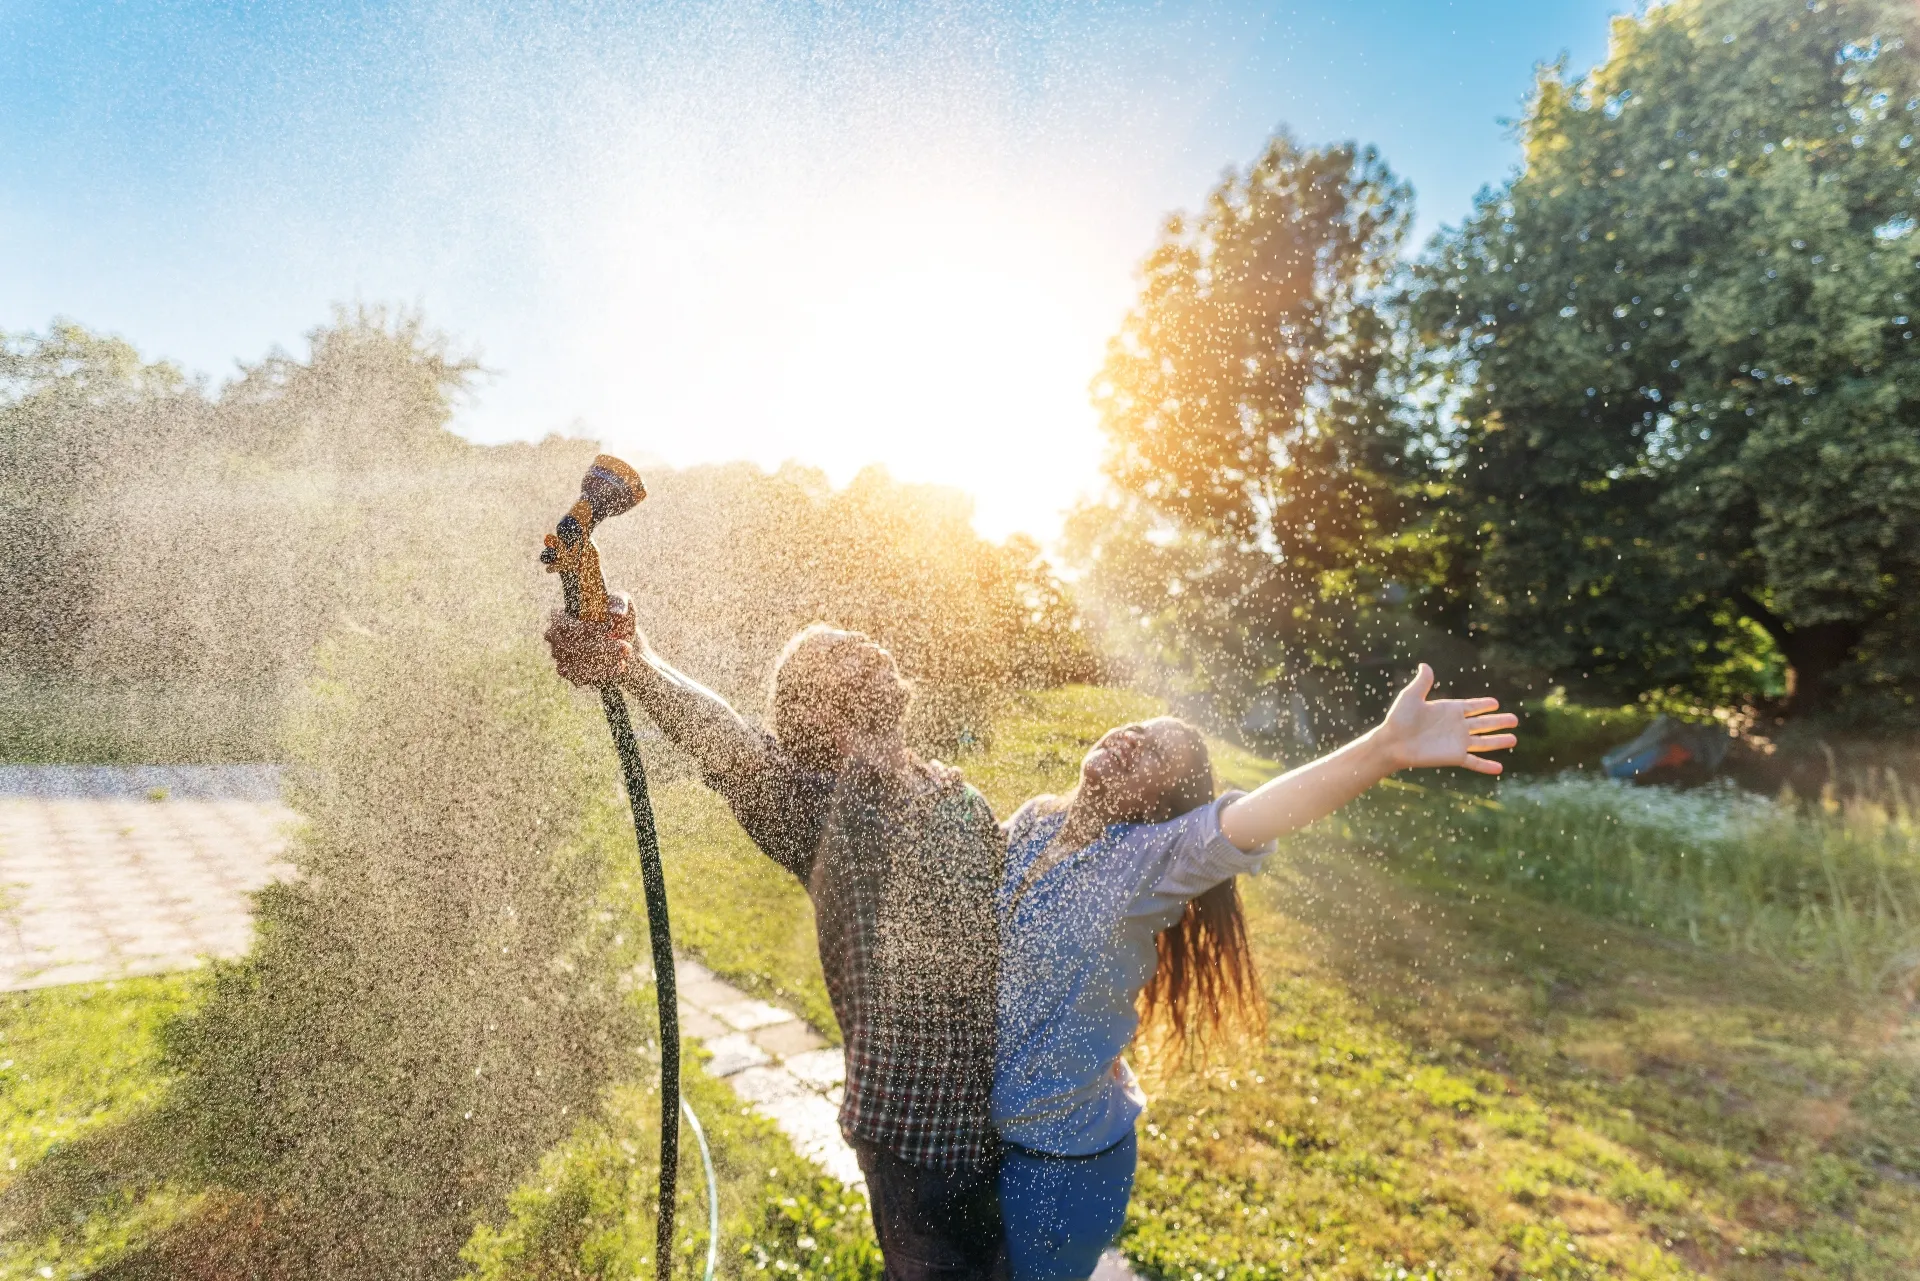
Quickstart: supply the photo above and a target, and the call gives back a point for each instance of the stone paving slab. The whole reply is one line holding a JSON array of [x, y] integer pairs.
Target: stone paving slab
[[113, 871]]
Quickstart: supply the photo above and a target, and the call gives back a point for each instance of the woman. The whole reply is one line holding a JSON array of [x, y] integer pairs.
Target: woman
[[1120, 902]]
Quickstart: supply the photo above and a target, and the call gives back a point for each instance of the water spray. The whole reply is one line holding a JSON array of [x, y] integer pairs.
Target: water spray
[[610, 488]]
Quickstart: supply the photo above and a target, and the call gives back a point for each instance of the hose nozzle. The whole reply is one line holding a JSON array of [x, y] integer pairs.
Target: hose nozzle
[[609, 488]]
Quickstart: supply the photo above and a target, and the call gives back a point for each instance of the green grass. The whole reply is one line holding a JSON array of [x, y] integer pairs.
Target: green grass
[[1833, 887], [588, 1211], [1475, 1084], [83, 1177]]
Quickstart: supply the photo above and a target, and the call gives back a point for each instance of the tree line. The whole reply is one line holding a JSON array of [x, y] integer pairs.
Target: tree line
[[1646, 425], [175, 553]]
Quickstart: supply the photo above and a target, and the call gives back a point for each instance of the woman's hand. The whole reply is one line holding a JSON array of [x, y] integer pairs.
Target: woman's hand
[[1446, 731], [594, 653]]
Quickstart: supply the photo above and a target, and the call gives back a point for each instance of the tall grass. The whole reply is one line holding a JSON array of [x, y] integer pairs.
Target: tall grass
[[1829, 884]]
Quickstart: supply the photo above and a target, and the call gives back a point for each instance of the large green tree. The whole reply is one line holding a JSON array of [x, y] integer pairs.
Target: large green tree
[[1263, 472], [1688, 386]]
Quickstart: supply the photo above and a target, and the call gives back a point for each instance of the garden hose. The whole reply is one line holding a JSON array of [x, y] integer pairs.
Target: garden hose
[[610, 488], [713, 1188]]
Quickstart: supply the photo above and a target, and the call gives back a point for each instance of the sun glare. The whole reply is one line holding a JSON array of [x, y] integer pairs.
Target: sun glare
[[943, 328]]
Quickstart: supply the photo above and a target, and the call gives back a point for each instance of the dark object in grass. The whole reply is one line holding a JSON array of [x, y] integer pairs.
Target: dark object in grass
[[1670, 750]]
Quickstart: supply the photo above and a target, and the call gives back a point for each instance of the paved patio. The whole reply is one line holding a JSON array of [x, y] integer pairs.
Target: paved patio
[[107, 872]]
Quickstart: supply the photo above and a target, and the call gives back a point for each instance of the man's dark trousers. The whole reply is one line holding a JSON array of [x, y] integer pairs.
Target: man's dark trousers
[[935, 1225]]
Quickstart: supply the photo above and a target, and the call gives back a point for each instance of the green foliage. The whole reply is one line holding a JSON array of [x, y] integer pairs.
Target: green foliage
[[433, 1004], [1686, 369], [726, 562], [1266, 479], [77, 1058], [1557, 734], [72, 720], [75, 410], [152, 521], [375, 389]]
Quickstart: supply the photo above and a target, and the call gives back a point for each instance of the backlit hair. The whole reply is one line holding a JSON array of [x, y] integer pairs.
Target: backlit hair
[[811, 699], [1205, 986]]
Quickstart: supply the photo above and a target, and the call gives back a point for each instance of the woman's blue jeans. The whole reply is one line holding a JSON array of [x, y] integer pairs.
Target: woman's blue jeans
[[1062, 1211]]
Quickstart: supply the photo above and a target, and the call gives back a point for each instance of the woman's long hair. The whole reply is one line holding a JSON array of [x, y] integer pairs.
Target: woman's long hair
[[1205, 987]]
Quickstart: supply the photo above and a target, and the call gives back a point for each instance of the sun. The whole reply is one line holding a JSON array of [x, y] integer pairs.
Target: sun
[[950, 340]]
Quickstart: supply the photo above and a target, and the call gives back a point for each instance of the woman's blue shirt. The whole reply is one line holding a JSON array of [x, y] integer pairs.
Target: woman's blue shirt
[[1077, 947]]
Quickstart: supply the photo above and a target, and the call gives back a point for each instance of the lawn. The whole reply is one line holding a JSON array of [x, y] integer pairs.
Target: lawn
[[1459, 1079], [83, 1177], [1467, 1074]]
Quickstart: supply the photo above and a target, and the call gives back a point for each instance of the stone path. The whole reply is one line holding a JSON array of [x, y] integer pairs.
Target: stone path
[[111, 871], [778, 1065]]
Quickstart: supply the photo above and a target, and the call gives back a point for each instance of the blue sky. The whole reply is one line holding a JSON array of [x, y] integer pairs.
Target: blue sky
[[841, 232]]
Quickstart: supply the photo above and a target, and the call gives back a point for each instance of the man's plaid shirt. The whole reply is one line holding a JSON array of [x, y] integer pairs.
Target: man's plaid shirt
[[902, 873]]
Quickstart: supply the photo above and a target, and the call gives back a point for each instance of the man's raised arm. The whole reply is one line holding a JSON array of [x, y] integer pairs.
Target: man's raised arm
[[697, 720]]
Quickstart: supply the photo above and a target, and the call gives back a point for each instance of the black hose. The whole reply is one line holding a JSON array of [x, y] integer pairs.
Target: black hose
[[654, 881], [610, 488]]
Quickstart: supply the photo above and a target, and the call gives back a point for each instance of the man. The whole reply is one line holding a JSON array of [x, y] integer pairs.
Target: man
[[901, 860]]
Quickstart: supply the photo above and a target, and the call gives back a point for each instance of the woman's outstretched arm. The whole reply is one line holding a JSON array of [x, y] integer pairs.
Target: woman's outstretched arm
[[1416, 732]]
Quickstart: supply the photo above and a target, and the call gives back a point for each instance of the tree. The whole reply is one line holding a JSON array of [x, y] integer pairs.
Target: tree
[[77, 411], [727, 561], [1683, 350], [1264, 476], [376, 388]]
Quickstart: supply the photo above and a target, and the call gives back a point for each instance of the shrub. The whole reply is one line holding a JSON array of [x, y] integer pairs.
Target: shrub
[[432, 1004]]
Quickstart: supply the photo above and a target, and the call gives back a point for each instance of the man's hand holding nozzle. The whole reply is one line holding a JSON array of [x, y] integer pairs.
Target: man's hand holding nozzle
[[589, 653]]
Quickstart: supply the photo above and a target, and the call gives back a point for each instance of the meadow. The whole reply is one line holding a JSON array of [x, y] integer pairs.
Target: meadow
[[1471, 1070]]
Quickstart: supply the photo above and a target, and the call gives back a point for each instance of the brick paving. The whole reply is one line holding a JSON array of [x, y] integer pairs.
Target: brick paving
[[112, 871]]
